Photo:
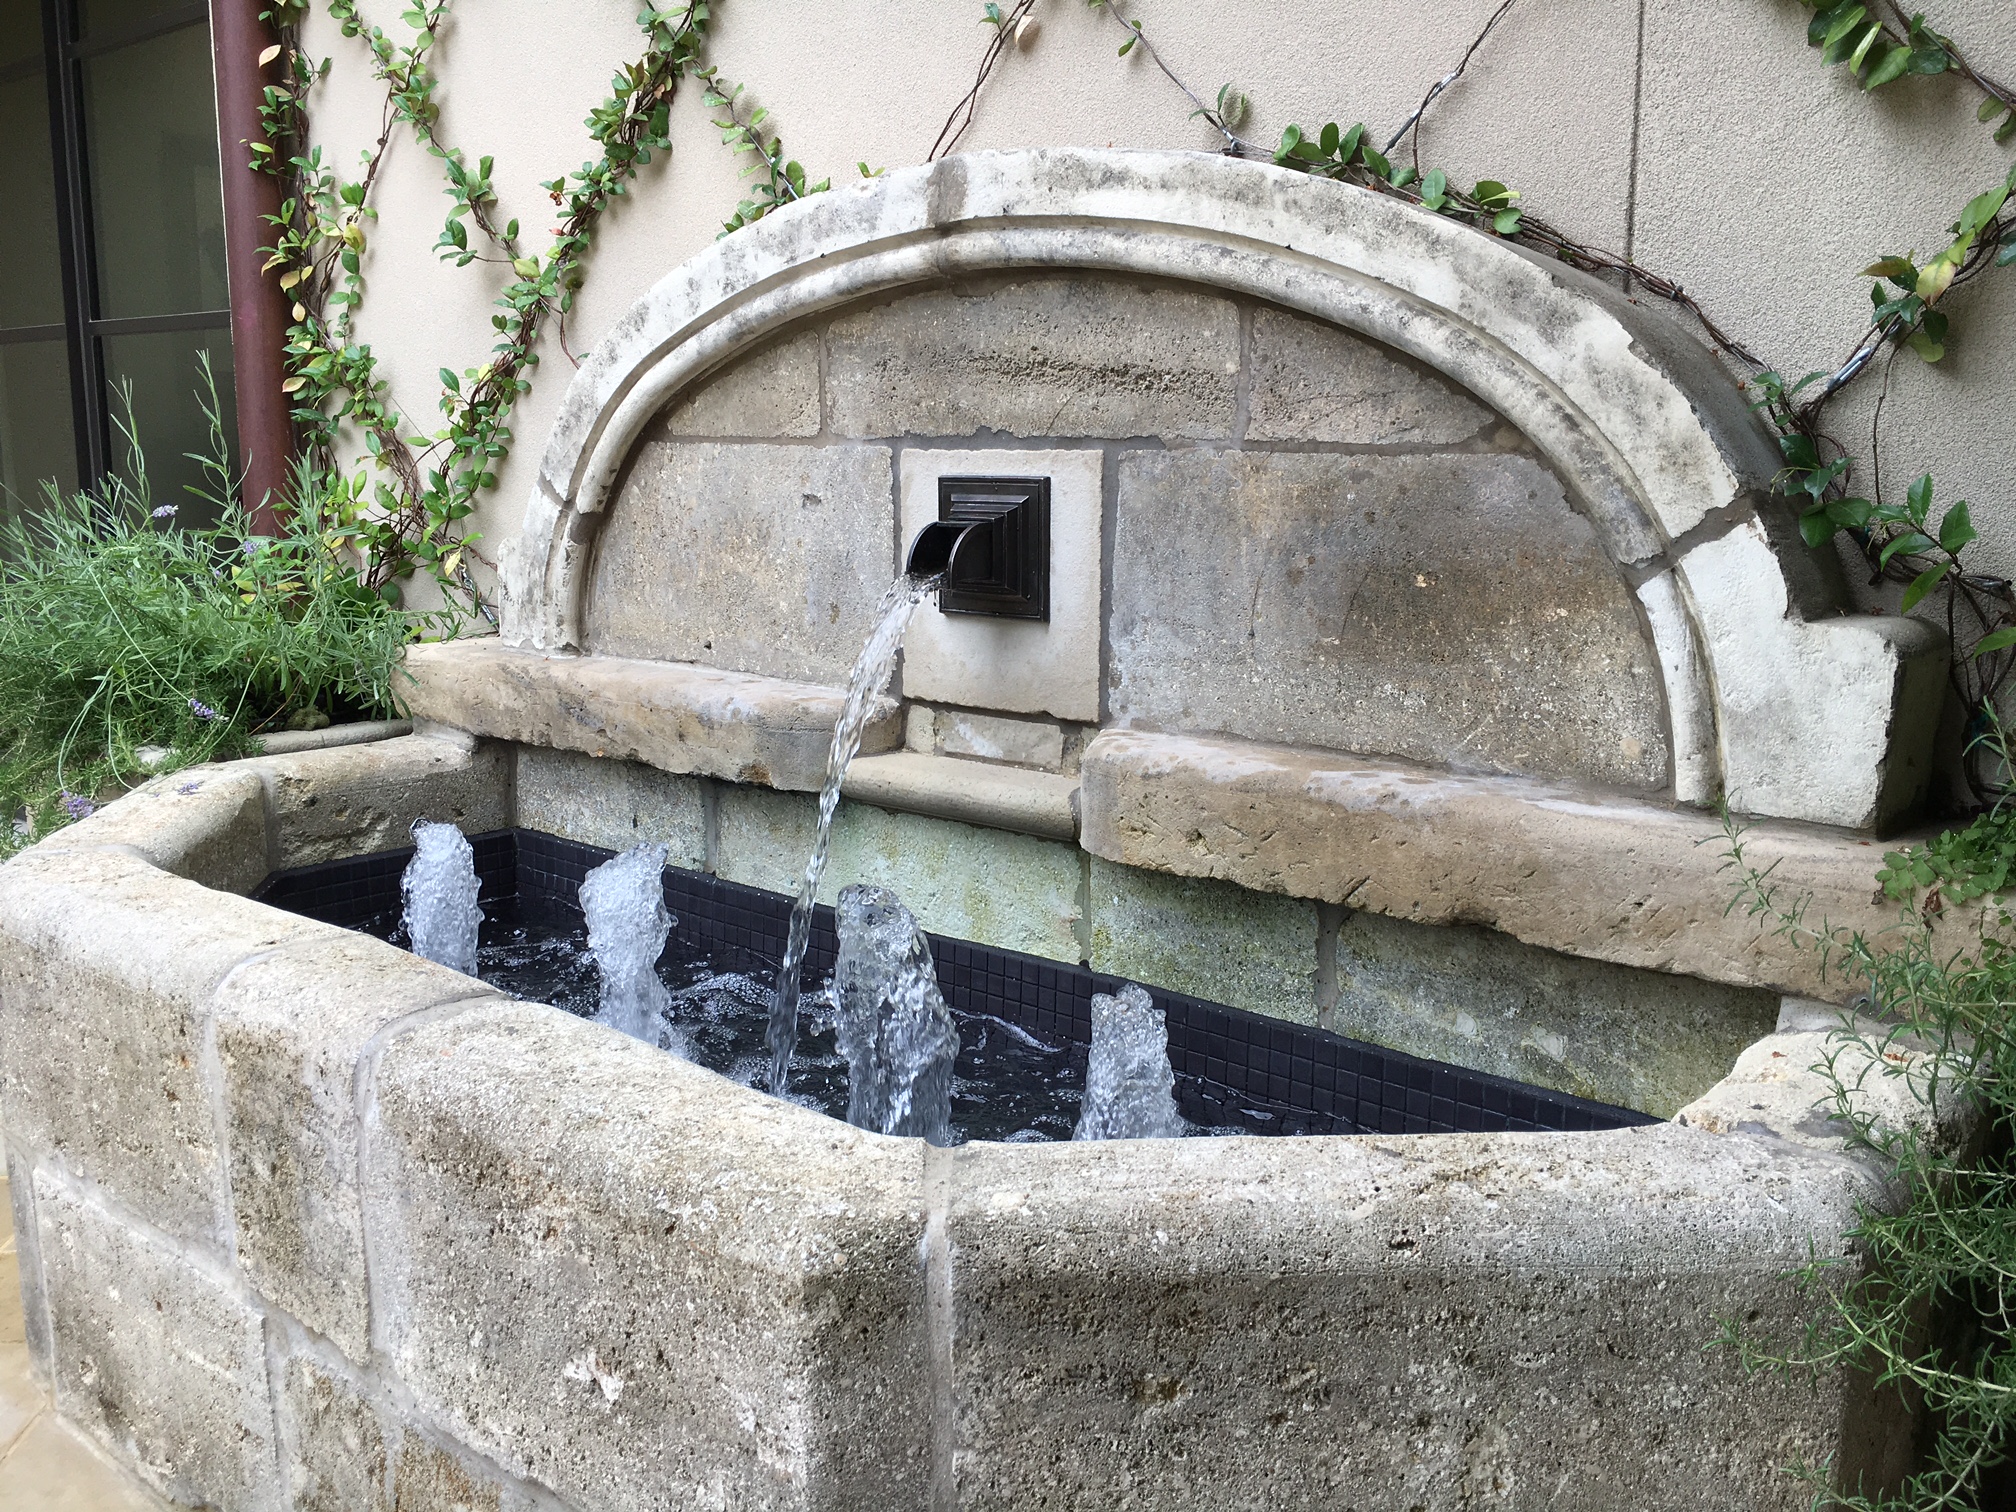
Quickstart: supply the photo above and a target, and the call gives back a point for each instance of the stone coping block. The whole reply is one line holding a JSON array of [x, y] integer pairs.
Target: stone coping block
[[640, 1283], [973, 792], [356, 799], [1388, 1322], [206, 823], [1612, 878], [676, 716], [107, 969]]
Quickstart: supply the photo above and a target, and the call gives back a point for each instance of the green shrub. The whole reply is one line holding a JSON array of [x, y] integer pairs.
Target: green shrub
[[122, 628], [1926, 1302]]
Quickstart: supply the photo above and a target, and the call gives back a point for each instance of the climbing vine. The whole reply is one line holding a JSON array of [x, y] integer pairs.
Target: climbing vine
[[408, 518]]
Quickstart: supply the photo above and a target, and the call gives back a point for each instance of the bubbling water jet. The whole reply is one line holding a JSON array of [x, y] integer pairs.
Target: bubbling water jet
[[890, 1020], [1130, 1087], [623, 901], [439, 889]]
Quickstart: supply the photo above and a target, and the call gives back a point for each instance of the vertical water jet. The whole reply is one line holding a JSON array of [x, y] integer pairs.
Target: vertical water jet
[[891, 1021], [623, 901], [1130, 1088], [439, 889]]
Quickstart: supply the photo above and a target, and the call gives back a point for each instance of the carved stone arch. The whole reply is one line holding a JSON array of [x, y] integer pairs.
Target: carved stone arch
[[1773, 696]]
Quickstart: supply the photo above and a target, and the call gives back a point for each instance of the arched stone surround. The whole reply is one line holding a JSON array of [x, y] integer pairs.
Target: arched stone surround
[[1771, 695]]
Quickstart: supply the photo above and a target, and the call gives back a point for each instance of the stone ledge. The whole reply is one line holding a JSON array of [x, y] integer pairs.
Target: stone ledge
[[973, 792], [676, 716], [1590, 874], [361, 732]]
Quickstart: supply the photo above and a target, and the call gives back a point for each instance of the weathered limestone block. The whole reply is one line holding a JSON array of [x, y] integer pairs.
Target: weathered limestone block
[[354, 800], [1780, 1086], [1450, 609], [1070, 356], [771, 392], [1221, 943], [157, 1357], [292, 1027], [611, 803], [206, 823], [766, 559], [972, 792], [1024, 666], [670, 715], [1593, 875], [107, 969], [1317, 382], [1014, 892], [1025, 742], [1442, 1322], [345, 1453], [640, 1284], [1478, 998]]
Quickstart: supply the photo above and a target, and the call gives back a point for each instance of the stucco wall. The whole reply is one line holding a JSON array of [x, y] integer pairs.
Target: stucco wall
[[1706, 139]]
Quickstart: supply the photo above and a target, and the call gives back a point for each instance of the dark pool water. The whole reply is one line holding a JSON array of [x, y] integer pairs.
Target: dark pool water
[[1007, 1084]]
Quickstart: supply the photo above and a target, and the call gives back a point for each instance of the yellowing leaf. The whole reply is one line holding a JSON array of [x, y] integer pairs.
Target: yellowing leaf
[[293, 384], [269, 55], [1936, 277]]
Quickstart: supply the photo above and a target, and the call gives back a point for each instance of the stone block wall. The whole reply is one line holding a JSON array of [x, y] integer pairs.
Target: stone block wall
[[1263, 526]]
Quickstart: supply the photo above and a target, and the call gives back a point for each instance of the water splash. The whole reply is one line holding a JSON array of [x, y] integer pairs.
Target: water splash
[[624, 903], [1130, 1088], [439, 890], [891, 1021], [871, 674]]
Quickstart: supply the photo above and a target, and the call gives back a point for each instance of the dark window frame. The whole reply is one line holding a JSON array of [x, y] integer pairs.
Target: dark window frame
[[82, 330]]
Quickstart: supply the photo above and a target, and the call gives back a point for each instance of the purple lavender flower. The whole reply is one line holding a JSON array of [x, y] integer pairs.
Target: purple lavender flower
[[77, 806], [202, 710], [165, 512], [190, 787]]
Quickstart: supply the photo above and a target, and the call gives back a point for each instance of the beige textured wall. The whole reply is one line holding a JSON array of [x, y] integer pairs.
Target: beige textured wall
[[1702, 135]]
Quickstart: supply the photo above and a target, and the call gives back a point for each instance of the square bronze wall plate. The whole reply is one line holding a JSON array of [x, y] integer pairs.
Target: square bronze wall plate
[[1002, 568]]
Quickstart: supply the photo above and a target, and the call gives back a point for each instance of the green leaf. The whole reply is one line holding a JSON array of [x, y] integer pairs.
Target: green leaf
[[1897, 269], [1844, 20], [2008, 253], [1816, 527], [1957, 529], [2007, 129], [1982, 209], [1907, 544], [1331, 136], [1918, 498], [450, 382], [1853, 514], [1994, 640], [1505, 222], [1435, 189], [1861, 53], [1988, 109], [1930, 60], [1125, 47], [1889, 64], [1921, 585], [1925, 345]]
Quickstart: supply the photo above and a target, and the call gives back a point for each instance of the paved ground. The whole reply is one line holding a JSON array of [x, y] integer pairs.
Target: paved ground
[[44, 1465]]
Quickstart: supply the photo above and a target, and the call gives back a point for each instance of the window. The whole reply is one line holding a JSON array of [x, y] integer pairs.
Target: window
[[112, 278]]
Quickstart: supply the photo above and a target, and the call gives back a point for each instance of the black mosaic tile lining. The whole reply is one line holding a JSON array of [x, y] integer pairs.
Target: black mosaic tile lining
[[1234, 1069]]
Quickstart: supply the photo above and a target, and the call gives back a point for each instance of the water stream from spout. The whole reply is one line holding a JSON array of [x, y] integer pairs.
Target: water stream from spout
[[871, 674], [890, 1021], [1130, 1088], [439, 889]]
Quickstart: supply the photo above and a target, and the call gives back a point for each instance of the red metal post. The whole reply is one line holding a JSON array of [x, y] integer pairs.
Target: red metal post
[[259, 308]]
